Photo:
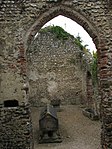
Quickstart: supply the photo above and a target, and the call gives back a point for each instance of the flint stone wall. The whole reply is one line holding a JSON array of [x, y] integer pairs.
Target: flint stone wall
[[20, 21], [15, 128], [17, 19], [57, 70]]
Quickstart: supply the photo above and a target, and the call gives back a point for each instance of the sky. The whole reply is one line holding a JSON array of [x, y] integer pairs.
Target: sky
[[74, 29]]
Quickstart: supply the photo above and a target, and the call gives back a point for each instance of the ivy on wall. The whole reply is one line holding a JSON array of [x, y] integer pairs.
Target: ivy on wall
[[59, 32]]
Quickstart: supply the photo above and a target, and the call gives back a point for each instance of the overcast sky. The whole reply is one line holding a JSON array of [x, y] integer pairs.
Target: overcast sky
[[73, 28]]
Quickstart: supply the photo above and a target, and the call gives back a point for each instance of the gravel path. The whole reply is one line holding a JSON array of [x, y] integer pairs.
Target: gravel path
[[77, 131]]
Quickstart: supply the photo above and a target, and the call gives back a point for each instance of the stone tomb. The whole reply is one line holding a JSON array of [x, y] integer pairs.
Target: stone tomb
[[49, 126], [18, 29]]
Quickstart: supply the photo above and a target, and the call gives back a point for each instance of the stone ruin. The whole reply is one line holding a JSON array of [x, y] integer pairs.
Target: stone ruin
[[15, 126], [58, 70], [19, 23]]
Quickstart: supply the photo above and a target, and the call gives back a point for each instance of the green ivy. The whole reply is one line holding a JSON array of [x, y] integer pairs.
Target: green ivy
[[59, 32], [78, 42]]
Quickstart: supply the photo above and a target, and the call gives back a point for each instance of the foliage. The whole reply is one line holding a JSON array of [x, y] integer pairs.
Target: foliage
[[63, 35], [58, 31], [78, 42]]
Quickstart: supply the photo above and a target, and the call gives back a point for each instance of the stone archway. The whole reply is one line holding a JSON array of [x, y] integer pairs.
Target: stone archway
[[19, 28], [93, 31], [76, 16], [67, 12]]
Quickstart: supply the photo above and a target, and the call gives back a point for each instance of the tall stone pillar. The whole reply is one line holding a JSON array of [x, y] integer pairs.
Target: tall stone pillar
[[105, 73]]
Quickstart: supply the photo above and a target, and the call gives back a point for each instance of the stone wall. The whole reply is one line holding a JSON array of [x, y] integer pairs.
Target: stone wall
[[90, 92], [15, 128], [20, 21], [57, 69]]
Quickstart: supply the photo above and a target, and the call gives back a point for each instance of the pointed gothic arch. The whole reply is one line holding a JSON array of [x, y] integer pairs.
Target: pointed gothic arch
[[76, 16], [94, 16]]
